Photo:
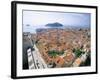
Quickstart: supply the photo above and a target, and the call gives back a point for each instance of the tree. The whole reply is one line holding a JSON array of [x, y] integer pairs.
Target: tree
[[61, 52], [53, 53], [78, 52]]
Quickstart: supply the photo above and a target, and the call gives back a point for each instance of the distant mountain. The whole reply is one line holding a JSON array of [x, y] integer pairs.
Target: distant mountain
[[56, 24]]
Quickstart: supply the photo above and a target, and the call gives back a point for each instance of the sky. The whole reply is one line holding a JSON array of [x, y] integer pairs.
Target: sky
[[37, 18]]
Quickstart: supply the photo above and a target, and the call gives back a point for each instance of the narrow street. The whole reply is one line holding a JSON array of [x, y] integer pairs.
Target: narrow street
[[35, 59]]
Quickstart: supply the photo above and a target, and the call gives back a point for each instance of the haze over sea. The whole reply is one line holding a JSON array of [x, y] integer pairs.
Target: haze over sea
[[33, 20]]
